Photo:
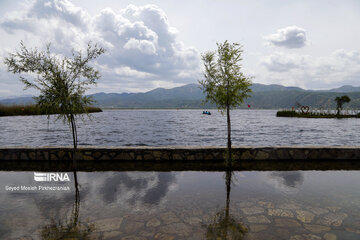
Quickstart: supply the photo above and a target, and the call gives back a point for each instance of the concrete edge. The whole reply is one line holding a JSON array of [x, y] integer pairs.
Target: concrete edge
[[179, 153]]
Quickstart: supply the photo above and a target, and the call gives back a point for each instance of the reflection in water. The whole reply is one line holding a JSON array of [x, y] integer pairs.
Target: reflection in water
[[287, 181], [137, 189], [224, 225], [103, 195], [196, 210], [69, 228]]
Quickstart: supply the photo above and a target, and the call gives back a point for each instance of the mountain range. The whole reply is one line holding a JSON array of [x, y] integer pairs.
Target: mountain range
[[191, 96]]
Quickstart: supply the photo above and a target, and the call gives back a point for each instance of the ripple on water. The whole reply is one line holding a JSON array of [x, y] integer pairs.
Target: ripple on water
[[183, 127]]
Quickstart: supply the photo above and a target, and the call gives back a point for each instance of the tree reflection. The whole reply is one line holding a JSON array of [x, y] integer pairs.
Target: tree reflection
[[71, 228], [224, 225]]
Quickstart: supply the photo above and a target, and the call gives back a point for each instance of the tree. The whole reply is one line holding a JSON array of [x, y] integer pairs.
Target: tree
[[340, 102], [224, 225], [69, 228], [224, 83], [61, 81]]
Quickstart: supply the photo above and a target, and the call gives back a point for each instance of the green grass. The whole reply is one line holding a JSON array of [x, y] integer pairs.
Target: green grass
[[25, 110], [290, 113]]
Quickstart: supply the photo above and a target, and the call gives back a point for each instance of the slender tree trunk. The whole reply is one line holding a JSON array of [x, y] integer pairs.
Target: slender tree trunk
[[229, 135], [227, 208], [74, 135], [228, 123], [76, 207], [228, 189]]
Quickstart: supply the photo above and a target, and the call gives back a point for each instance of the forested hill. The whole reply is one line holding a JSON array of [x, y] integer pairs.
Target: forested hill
[[191, 96]]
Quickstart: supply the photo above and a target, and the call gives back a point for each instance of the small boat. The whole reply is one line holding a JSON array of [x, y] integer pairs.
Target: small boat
[[207, 112]]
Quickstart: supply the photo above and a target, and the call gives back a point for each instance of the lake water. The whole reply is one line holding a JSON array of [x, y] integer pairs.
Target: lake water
[[185, 205], [182, 127], [254, 205]]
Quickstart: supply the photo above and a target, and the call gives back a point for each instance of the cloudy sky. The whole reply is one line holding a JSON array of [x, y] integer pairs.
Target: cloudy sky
[[150, 44]]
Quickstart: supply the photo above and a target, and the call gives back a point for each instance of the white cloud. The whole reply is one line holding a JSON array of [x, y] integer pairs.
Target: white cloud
[[339, 68], [129, 72], [142, 47], [289, 37], [63, 10], [281, 62]]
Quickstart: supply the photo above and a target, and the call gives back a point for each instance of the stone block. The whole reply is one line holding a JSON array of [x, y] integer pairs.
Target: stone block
[[178, 157], [87, 158], [166, 156], [79, 156], [157, 155], [247, 155], [209, 157], [32, 155], [104, 157], [53, 157], [96, 154], [199, 156], [15, 155], [261, 155], [61, 154], [148, 157], [298, 154], [282, 154], [46, 155], [123, 156], [24, 156]]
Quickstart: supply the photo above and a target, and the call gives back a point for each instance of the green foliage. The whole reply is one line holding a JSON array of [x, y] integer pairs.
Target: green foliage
[[289, 113], [18, 110], [224, 84], [340, 102], [25, 110], [61, 81]]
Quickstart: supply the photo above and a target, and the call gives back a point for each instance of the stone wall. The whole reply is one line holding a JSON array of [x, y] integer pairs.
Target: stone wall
[[179, 153]]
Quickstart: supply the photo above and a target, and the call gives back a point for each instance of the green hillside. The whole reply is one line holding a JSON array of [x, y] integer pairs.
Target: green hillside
[[190, 96]]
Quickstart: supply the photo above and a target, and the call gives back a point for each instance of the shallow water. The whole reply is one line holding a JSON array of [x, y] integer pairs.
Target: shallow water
[[186, 205], [183, 127]]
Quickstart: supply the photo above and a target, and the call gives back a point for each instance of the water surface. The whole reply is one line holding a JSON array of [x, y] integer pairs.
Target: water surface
[[186, 205], [182, 127]]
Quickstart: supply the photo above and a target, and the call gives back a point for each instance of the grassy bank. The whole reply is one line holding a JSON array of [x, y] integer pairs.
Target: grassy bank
[[19, 110], [290, 113]]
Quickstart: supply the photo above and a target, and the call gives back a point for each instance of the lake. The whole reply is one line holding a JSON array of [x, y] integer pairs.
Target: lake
[[185, 205], [180, 127], [169, 204]]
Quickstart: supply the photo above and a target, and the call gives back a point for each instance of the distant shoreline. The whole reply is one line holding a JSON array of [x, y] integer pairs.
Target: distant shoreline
[[205, 108], [31, 110], [289, 113]]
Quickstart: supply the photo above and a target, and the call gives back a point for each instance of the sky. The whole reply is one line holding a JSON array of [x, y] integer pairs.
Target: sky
[[151, 44]]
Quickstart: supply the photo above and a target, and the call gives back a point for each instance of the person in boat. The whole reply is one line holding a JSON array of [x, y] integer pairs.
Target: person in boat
[[206, 112]]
